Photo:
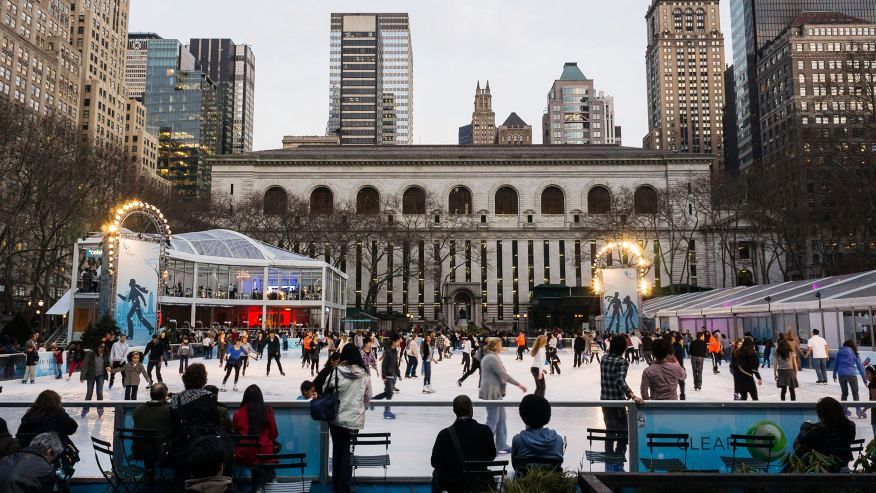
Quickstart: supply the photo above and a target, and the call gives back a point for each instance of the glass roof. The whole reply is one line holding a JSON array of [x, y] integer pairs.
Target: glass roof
[[230, 244], [859, 285]]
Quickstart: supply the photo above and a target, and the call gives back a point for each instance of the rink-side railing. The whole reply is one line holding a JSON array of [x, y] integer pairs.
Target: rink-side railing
[[709, 426]]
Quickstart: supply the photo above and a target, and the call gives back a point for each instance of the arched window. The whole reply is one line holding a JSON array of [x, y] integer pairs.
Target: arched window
[[689, 20], [598, 201], [460, 200], [322, 201], [701, 20], [553, 201], [744, 278], [414, 201], [368, 201], [276, 201], [506, 201], [645, 200], [676, 17]]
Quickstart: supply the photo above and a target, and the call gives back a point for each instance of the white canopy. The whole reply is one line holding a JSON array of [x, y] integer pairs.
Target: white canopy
[[62, 306]]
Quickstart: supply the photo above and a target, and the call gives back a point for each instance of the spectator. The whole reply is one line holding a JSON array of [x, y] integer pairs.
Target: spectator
[[333, 361], [847, 367], [152, 415], [207, 464], [464, 440], [193, 414], [256, 419], [131, 372], [45, 415], [308, 391], [660, 380], [8, 444], [94, 372], [613, 387], [353, 387], [30, 470], [832, 435], [224, 413], [493, 381], [536, 443]]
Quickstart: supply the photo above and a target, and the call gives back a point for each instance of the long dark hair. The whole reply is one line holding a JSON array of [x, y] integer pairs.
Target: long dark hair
[[46, 403], [784, 349], [351, 356], [851, 344], [831, 413], [256, 409], [747, 347]]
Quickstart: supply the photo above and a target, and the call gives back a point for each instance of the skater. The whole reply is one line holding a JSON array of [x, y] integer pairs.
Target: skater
[[58, 356], [207, 343], [118, 357], [466, 354], [313, 355], [369, 355], [493, 381], [155, 352], [390, 370], [539, 358], [244, 343], [222, 345], [428, 359], [647, 348], [819, 350], [767, 352], [678, 350], [715, 351], [475, 364], [413, 353], [698, 351], [306, 346], [31, 359], [94, 370], [553, 359], [521, 345], [595, 348], [235, 356], [273, 345], [579, 345], [184, 352], [131, 372], [746, 365], [75, 356], [785, 369], [847, 367]]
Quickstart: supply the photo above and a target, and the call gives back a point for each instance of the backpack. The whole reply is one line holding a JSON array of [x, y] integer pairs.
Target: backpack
[[325, 407]]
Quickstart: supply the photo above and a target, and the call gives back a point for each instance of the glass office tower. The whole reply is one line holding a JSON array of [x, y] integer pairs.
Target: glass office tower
[[755, 23]]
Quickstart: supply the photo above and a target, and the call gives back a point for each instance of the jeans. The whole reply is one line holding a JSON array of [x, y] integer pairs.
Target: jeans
[[90, 387], [475, 366], [275, 357], [427, 372], [846, 383], [342, 459], [697, 363], [820, 365], [388, 389], [157, 366], [539, 382], [615, 419], [520, 350], [183, 363], [208, 352], [131, 392], [496, 422], [578, 358]]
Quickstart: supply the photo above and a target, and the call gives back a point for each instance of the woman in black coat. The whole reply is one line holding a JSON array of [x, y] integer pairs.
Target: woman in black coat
[[745, 365], [45, 415]]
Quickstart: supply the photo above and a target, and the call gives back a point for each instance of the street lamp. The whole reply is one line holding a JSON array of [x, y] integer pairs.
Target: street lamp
[[768, 299], [517, 321], [820, 312]]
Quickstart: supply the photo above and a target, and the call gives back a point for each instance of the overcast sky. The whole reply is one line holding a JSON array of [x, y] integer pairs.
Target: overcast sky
[[519, 45]]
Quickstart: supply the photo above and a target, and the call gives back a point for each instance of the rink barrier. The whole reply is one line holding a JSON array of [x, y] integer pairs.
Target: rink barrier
[[709, 425]]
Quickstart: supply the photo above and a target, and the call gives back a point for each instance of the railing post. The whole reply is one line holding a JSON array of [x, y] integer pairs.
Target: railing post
[[633, 427], [323, 452]]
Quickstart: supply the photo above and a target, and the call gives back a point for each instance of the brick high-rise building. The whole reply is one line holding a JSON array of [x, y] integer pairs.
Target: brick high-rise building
[[38, 67], [99, 31], [514, 131], [483, 119], [685, 77], [141, 148]]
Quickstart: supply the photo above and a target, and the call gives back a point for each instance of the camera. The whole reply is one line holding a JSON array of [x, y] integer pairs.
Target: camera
[[64, 466]]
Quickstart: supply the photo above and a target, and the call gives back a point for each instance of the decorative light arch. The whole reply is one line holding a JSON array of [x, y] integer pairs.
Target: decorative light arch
[[600, 262], [115, 228]]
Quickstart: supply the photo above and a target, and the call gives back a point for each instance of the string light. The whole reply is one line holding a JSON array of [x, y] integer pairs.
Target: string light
[[631, 249]]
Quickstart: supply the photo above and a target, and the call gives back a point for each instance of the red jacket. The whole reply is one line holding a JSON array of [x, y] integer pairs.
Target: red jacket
[[247, 455]]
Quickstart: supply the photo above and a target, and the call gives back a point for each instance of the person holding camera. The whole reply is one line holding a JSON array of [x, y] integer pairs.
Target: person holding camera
[[32, 469], [46, 415]]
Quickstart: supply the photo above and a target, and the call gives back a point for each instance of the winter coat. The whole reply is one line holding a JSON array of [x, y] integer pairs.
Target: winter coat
[[26, 472], [274, 346], [193, 414], [660, 381], [477, 444], [90, 366], [57, 421], [389, 365], [247, 455], [847, 364], [493, 378], [354, 392], [818, 437], [185, 350], [8, 445], [132, 373], [212, 484], [537, 443]]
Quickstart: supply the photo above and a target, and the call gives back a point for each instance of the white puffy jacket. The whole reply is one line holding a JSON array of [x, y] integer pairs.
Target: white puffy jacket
[[354, 393]]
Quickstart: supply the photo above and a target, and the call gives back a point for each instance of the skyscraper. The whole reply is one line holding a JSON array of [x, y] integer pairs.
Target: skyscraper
[[685, 77], [371, 78], [182, 109], [755, 23], [135, 63], [232, 68], [575, 113], [483, 119], [99, 30]]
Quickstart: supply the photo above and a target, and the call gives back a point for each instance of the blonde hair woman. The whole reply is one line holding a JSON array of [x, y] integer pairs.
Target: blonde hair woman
[[493, 381], [539, 357]]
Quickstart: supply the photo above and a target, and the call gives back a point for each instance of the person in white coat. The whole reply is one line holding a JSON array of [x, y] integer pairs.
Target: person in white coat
[[118, 357], [353, 386]]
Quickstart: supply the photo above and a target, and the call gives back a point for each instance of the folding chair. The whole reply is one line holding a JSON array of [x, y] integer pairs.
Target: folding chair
[[238, 470], [663, 441], [605, 436], [275, 462], [479, 476], [750, 442], [118, 478], [370, 461]]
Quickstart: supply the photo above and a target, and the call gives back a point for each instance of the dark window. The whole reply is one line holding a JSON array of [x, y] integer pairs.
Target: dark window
[[460, 200], [744, 278], [553, 201], [598, 201], [645, 200], [414, 201], [322, 201], [506, 201], [368, 201], [276, 201]]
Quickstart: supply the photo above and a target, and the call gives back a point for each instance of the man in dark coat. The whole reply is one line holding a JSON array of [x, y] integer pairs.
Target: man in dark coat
[[390, 371], [152, 415], [464, 440], [30, 470], [274, 352]]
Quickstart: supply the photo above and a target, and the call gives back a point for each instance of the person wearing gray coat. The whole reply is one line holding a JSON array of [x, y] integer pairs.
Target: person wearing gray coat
[[494, 379]]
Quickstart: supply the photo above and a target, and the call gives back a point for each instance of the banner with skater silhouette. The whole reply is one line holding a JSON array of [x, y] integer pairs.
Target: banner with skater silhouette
[[136, 295], [620, 300]]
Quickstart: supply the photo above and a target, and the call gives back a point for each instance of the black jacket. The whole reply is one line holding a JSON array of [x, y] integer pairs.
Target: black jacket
[[26, 472], [579, 344], [698, 348], [155, 351], [389, 365], [8, 445], [818, 437], [58, 421], [193, 414], [274, 346], [476, 442]]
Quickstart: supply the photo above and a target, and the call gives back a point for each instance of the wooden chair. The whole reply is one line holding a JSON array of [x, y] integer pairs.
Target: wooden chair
[[664, 441], [750, 442], [479, 476], [605, 436]]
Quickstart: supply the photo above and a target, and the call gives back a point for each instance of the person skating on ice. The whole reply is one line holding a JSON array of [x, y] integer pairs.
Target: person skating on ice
[[235, 360]]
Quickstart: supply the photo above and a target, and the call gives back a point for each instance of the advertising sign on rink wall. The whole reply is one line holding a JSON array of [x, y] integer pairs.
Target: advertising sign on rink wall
[[136, 295], [620, 299]]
